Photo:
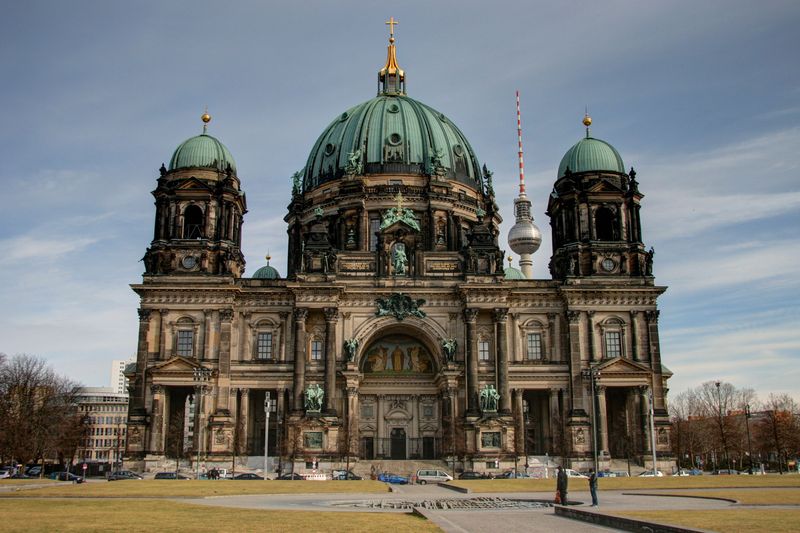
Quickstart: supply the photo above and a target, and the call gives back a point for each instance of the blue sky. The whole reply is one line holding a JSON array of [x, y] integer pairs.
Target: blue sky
[[702, 98]]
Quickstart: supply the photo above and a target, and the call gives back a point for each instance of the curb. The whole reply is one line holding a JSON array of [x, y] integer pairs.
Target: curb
[[462, 490], [620, 523]]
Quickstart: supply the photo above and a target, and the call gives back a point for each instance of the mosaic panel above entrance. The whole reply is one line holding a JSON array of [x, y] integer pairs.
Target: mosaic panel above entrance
[[397, 354]]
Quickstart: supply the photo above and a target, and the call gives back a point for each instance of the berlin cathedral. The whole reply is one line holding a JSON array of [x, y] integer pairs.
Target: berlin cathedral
[[398, 331]]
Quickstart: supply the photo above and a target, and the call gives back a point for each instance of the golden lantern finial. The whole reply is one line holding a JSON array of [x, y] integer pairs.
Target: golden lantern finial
[[391, 22], [587, 121], [510, 259], [206, 118], [391, 75]]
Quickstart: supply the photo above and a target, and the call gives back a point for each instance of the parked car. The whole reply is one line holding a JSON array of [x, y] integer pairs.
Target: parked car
[[510, 474], [343, 475], [615, 473], [5, 473], [123, 474], [291, 476], [469, 474], [432, 476], [649, 473], [726, 472], [170, 475], [66, 476], [33, 471], [386, 477], [248, 476], [574, 473]]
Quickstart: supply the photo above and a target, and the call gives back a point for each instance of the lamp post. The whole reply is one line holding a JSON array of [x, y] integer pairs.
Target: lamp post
[[593, 374], [525, 421], [749, 444], [266, 432]]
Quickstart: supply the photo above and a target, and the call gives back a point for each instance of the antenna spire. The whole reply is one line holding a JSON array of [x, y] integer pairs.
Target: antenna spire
[[521, 162]]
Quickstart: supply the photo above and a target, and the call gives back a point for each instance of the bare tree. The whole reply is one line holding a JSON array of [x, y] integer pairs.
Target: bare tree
[[719, 402], [779, 428], [37, 408]]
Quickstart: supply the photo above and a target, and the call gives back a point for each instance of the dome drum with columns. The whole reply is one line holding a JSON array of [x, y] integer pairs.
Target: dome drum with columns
[[398, 331]]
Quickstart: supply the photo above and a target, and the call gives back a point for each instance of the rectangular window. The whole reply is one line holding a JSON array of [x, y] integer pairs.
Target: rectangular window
[[374, 228], [490, 439], [264, 346], [316, 350], [185, 343], [534, 346], [483, 350], [613, 344]]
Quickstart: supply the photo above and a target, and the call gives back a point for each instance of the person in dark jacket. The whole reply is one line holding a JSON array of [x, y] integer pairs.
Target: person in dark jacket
[[561, 485], [593, 487]]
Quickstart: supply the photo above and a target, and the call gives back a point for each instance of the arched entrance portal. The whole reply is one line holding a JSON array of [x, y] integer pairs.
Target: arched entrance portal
[[400, 407]]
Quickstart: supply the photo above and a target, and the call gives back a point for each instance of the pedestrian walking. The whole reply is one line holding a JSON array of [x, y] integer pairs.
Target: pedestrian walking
[[593, 487], [561, 485]]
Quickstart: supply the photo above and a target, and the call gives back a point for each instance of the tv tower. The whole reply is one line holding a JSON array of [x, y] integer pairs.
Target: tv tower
[[524, 238]]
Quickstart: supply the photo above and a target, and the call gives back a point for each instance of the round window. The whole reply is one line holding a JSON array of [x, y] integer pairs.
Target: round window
[[395, 139], [393, 108], [329, 149], [458, 150], [344, 116], [608, 264]]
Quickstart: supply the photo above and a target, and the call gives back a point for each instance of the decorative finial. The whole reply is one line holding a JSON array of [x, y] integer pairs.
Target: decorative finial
[[391, 22], [399, 199], [268, 257], [391, 78], [587, 121], [206, 118], [510, 259]]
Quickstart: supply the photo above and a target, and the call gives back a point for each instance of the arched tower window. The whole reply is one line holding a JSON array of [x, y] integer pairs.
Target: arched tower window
[[605, 223], [193, 223]]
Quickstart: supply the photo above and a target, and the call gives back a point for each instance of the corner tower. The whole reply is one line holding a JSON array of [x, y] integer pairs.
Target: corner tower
[[594, 214], [199, 211]]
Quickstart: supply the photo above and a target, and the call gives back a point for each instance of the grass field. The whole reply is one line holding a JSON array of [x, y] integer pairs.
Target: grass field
[[726, 520], [782, 496], [155, 515], [166, 488], [631, 483]]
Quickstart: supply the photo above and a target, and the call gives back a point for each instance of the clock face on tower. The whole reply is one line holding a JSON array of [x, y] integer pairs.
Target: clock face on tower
[[608, 264], [189, 262]]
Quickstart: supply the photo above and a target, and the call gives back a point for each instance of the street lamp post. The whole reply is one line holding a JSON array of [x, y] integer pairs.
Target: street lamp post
[[266, 432], [593, 374], [749, 444], [525, 421]]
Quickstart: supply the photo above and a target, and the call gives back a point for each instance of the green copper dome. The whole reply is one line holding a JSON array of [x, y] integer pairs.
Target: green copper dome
[[392, 134], [590, 155], [514, 273], [266, 272], [203, 151]]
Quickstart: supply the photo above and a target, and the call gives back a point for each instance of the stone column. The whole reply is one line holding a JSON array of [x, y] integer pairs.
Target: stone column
[[331, 317], [554, 421], [142, 356], [501, 342], [353, 414], [577, 397], [224, 375], [162, 336], [659, 404], [470, 318], [593, 356], [244, 421], [602, 418], [644, 409], [379, 425], [555, 337], [299, 382], [284, 336], [157, 420], [520, 421], [634, 336]]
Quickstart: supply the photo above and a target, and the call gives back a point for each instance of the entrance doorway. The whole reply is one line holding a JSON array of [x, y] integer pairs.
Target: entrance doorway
[[620, 436], [398, 450]]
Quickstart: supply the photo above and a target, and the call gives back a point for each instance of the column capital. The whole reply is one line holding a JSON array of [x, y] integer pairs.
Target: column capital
[[300, 314], [470, 315], [634, 312], [245, 392], [652, 316], [284, 315], [157, 389], [331, 314], [144, 315], [573, 316], [226, 315], [500, 314], [352, 392]]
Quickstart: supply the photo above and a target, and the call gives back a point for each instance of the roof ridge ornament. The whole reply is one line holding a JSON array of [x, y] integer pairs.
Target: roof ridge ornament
[[391, 78], [587, 121], [206, 118]]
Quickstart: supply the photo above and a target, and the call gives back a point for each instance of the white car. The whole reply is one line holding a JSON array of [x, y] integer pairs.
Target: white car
[[5, 472], [574, 473], [649, 473]]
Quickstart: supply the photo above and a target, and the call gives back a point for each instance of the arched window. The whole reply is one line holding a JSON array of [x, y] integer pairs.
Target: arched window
[[605, 224], [193, 223]]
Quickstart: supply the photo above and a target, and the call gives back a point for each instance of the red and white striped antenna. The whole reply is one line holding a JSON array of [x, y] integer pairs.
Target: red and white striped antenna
[[521, 162]]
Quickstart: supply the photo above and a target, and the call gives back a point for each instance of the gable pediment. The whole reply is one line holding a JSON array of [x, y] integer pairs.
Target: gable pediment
[[176, 365], [399, 226], [192, 183], [603, 185], [619, 365]]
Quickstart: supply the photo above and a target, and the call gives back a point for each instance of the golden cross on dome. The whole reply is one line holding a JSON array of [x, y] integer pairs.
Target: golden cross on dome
[[391, 22], [399, 198]]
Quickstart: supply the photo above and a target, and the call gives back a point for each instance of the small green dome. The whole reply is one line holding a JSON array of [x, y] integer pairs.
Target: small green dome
[[591, 155], [266, 272], [392, 134], [514, 273], [203, 151]]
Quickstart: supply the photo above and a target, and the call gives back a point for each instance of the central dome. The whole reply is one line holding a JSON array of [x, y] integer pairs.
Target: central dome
[[392, 134]]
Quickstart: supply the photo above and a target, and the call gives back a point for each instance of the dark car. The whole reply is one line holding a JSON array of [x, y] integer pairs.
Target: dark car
[[470, 475], [343, 475], [726, 472], [67, 476], [123, 474], [292, 476], [386, 477], [170, 475], [248, 476]]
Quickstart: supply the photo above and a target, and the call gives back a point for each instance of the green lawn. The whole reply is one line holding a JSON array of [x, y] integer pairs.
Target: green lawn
[[157, 515], [725, 520], [166, 488]]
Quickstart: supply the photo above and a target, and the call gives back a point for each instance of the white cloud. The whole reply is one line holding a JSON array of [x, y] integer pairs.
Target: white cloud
[[28, 248]]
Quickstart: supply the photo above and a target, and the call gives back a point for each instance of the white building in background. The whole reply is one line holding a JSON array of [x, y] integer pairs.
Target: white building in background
[[118, 381], [107, 415]]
